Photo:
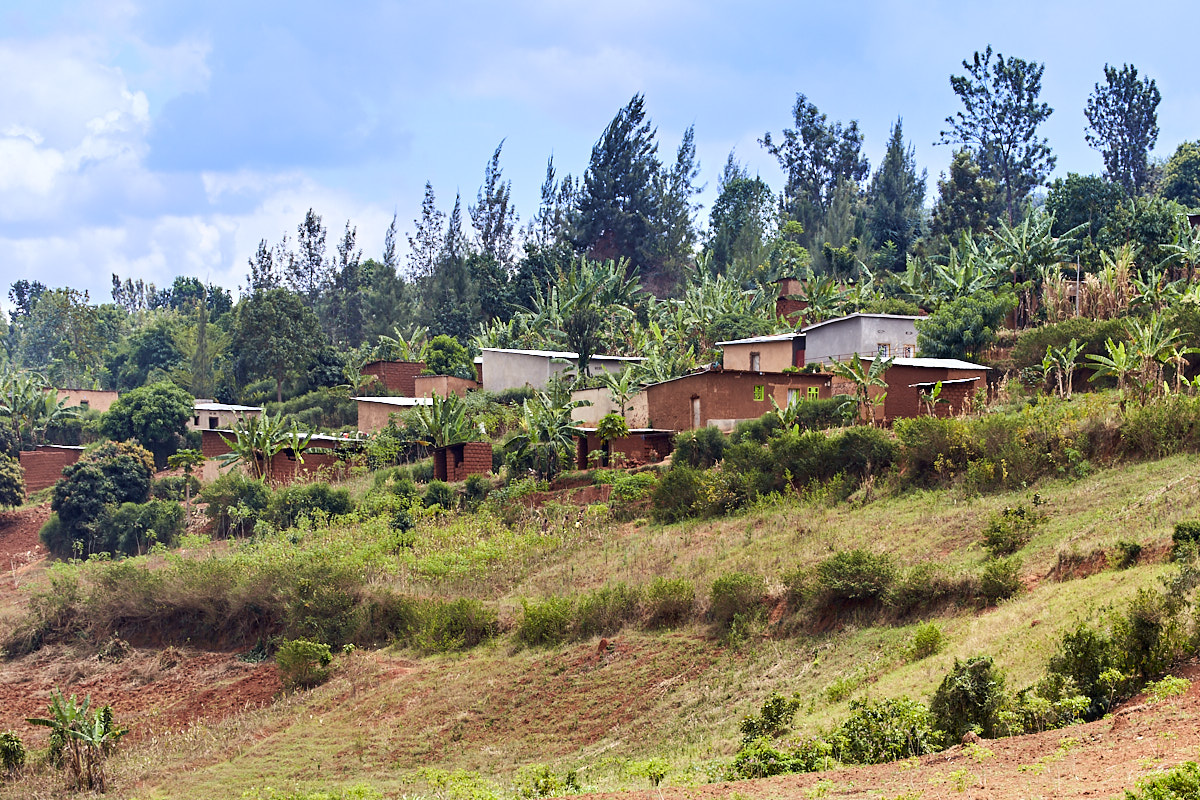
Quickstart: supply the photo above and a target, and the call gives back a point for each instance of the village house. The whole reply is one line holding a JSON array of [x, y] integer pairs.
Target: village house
[[909, 378], [720, 397], [502, 369], [211, 415], [888, 335], [374, 412], [87, 399], [397, 377], [285, 466], [764, 353]]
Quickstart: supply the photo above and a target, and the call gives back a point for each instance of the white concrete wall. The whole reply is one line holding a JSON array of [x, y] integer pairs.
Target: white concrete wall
[[861, 335]]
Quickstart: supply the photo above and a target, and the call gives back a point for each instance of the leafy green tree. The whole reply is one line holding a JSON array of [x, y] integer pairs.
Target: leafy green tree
[[547, 434], [445, 356], [741, 221], [967, 200], [151, 350], [63, 336], [962, 328], [1123, 125], [816, 156], [275, 335], [1147, 223], [1000, 119], [1082, 200], [202, 373], [12, 482], [617, 203], [187, 460], [897, 194], [1181, 176], [103, 478], [155, 415], [449, 296], [342, 308], [866, 375]]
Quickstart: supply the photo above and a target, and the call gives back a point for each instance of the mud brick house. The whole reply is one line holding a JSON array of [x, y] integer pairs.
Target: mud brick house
[[908, 378], [457, 462], [641, 446], [442, 385], [764, 353], [888, 335], [285, 467], [44, 464], [788, 302], [88, 399], [721, 397], [219, 416], [374, 412], [503, 369], [398, 377]]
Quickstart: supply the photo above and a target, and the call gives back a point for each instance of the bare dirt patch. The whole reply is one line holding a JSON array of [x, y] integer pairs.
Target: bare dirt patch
[[21, 551]]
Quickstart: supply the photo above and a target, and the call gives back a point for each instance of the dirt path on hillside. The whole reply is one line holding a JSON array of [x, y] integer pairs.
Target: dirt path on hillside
[[1098, 760], [21, 552]]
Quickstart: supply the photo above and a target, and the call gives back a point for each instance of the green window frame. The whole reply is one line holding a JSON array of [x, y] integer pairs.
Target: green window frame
[[760, 392]]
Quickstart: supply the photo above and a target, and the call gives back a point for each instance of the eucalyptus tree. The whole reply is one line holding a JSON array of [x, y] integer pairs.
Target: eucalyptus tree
[[999, 121], [1122, 120]]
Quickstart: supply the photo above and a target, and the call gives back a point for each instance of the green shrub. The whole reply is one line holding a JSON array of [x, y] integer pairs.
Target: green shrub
[[854, 575], [628, 489], [1084, 654], [772, 721], [927, 640], [761, 759], [969, 699], [303, 664], [106, 475], [1186, 533], [454, 625], [735, 594], [403, 486], [545, 622], [677, 494], [1000, 579], [668, 602], [701, 448], [886, 730], [1180, 783], [235, 503], [927, 586], [439, 493], [476, 489], [12, 754], [1150, 635], [606, 610], [172, 487], [12, 480], [422, 471], [133, 528], [863, 450], [288, 504], [1127, 553], [1012, 529]]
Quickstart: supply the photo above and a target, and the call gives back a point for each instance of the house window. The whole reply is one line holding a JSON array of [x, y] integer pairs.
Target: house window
[[908, 351], [212, 423], [755, 362], [794, 396], [885, 350], [814, 393], [760, 392], [196, 421]]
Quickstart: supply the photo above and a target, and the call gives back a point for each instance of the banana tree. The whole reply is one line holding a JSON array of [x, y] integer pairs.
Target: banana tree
[[1119, 363], [866, 375], [443, 422], [257, 440], [547, 432]]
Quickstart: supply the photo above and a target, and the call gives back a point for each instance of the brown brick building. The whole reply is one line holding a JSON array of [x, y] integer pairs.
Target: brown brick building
[[398, 377], [907, 378], [459, 461], [641, 446], [285, 467], [721, 398], [44, 465]]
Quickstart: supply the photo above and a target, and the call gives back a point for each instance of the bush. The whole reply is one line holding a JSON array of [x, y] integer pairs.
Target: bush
[[1000, 579], [106, 475], [454, 625], [761, 759], [605, 611], [476, 489], [422, 471], [1083, 656], [175, 487], [733, 595], [886, 730], [545, 622], [628, 489], [133, 528], [927, 640], [1012, 529], [1185, 533], [701, 448], [235, 503], [677, 494], [668, 602], [1127, 553], [303, 664], [1180, 783], [864, 450], [288, 504], [772, 721], [854, 575], [439, 493], [12, 754], [12, 482], [969, 699], [926, 587]]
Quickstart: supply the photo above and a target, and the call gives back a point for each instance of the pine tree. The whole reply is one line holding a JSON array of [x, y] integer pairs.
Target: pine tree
[[425, 246], [309, 274], [741, 221], [617, 203], [1122, 119], [492, 216], [897, 194], [676, 188], [203, 383]]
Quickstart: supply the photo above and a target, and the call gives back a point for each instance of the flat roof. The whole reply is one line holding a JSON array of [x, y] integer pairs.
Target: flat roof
[[775, 337], [559, 354], [224, 407], [860, 315], [753, 373], [931, 363], [407, 402], [316, 437]]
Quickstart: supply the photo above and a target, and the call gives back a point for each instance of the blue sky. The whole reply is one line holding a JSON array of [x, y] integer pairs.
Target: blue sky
[[154, 139]]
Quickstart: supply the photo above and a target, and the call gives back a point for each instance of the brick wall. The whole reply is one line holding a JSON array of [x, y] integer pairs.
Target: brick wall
[[442, 386], [726, 395], [638, 448], [397, 376], [460, 461], [44, 466], [904, 399], [212, 445], [791, 309], [285, 468]]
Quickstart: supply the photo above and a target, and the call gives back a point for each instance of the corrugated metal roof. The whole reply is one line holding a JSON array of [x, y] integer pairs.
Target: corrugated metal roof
[[407, 402], [943, 383], [560, 354], [777, 337], [224, 407], [931, 363], [859, 315]]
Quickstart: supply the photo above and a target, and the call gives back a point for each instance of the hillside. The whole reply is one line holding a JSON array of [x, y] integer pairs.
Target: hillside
[[488, 720]]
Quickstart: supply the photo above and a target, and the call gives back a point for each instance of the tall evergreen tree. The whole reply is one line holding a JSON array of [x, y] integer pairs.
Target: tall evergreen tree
[[617, 203], [967, 201], [263, 274], [390, 259], [203, 376], [309, 274], [999, 121], [425, 245], [450, 297], [1122, 120], [897, 194], [676, 188], [344, 315], [816, 156], [493, 217]]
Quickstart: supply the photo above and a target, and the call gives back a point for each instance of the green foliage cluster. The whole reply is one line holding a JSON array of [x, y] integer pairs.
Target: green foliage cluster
[[12, 754], [1011, 529], [663, 603], [289, 503], [303, 664], [1178, 783], [80, 740], [236, 503], [12, 482], [155, 416], [735, 596]]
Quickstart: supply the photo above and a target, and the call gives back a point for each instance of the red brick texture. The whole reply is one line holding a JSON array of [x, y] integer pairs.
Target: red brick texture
[[638, 448], [727, 394], [903, 399], [397, 376], [44, 466], [284, 467], [459, 461], [442, 386]]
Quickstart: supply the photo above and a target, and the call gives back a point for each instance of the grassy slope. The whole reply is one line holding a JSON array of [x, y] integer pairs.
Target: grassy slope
[[678, 695]]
